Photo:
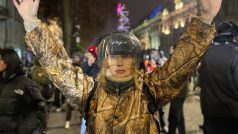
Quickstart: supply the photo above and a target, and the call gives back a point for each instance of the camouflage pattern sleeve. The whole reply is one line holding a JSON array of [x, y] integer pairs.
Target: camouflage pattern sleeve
[[55, 61], [165, 82]]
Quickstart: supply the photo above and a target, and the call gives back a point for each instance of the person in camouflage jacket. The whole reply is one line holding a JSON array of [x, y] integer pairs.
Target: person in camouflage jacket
[[118, 105]]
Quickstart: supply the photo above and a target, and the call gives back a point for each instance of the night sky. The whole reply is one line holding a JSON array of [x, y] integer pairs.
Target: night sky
[[141, 9]]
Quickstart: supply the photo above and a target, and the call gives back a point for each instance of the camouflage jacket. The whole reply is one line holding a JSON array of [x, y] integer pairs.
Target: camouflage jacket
[[128, 112]]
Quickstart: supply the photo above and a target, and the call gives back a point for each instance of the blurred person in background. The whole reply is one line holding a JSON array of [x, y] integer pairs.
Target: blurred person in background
[[163, 58], [77, 61], [39, 75], [56, 30], [22, 109], [149, 67], [219, 82], [90, 67], [176, 114], [54, 27], [116, 101]]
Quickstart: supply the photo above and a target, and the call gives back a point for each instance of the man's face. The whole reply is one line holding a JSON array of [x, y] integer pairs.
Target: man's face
[[3, 66], [120, 66]]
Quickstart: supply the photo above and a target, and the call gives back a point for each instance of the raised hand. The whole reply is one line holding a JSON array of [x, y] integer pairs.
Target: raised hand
[[27, 9], [209, 9]]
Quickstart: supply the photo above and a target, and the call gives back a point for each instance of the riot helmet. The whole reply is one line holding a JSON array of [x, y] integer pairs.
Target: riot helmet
[[120, 44]]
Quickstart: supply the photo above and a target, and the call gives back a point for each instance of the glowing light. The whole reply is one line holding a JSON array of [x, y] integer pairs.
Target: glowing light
[[182, 23], [119, 9], [166, 30], [178, 4], [176, 25], [123, 22], [165, 12]]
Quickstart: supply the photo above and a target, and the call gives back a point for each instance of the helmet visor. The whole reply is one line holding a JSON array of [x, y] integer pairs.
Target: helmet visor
[[120, 47]]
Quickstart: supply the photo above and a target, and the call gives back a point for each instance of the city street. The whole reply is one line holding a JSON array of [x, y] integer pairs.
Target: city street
[[193, 118], [119, 54], [57, 121]]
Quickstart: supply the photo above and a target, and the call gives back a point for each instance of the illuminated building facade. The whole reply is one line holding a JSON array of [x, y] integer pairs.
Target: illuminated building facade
[[162, 31]]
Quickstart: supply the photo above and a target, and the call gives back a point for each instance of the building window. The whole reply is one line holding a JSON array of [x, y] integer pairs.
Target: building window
[[154, 40]]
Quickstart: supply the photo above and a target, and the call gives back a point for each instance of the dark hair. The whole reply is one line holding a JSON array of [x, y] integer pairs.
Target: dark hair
[[226, 32], [13, 62]]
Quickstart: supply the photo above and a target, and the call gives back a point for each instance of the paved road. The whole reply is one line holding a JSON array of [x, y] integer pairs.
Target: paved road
[[56, 123], [192, 113], [193, 119]]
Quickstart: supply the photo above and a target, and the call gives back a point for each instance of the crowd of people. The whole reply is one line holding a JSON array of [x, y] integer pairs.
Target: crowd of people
[[32, 90], [115, 89]]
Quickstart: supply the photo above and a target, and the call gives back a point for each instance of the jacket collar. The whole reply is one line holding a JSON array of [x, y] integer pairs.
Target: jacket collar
[[117, 88], [5, 80]]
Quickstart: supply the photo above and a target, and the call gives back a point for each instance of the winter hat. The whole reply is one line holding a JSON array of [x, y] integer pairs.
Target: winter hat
[[93, 50]]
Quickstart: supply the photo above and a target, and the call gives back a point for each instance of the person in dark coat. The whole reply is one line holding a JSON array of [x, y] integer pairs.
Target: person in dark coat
[[91, 67], [176, 113], [21, 103], [219, 82]]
